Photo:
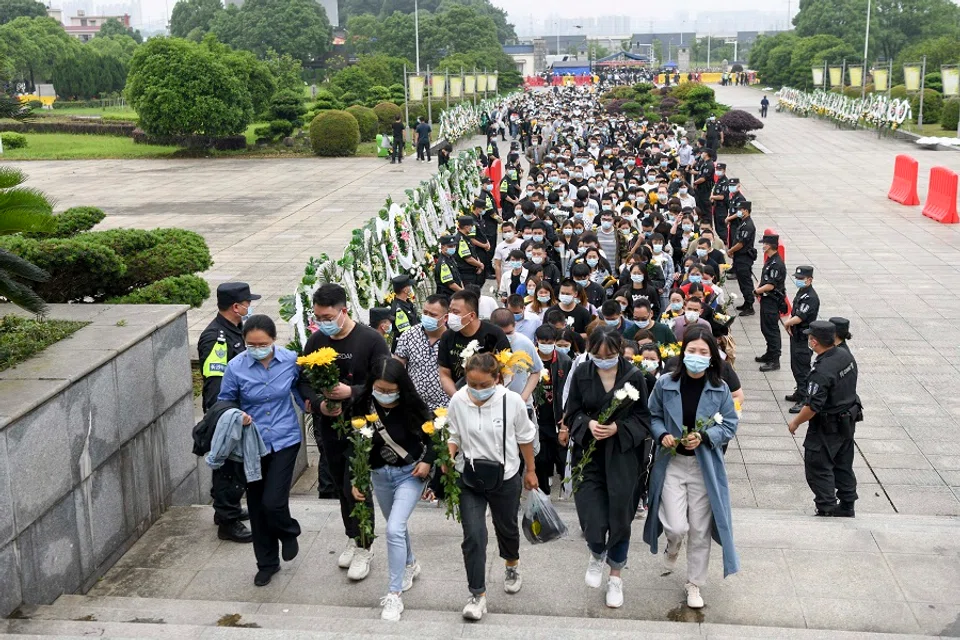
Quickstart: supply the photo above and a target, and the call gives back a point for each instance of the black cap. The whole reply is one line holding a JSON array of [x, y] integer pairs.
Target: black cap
[[446, 241], [486, 179], [379, 314], [232, 292], [400, 282], [803, 271], [823, 331], [721, 165], [770, 238], [478, 203], [733, 180], [746, 205], [462, 221], [842, 325]]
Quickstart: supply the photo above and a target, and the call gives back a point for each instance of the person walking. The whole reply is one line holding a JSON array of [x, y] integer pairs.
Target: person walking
[[399, 141], [220, 343], [423, 140], [261, 380], [692, 413], [400, 458], [605, 494], [764, 105], [489, 431]]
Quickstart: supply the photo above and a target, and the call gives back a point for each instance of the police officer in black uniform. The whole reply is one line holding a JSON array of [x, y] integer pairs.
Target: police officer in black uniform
[[719, 201], [218, 344], [744, 255], [704, 179], [773, 301], [806, 307], [468, 262], [446, 273], [843, 333], [713, 133], [405, 313], [833, 408]]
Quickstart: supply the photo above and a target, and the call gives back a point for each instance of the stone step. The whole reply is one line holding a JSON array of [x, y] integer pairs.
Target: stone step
[[120, 617]]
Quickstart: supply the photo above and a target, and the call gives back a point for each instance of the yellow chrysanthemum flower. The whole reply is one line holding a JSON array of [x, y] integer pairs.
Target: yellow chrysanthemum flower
[[372, 417], [358, 423], [319, 358], [440, 412], [427, 428]]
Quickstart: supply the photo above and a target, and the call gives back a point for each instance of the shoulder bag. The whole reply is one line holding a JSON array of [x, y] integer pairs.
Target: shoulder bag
[[484, 475]]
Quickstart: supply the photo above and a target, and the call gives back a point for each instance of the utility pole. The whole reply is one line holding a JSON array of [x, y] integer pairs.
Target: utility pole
[[866, 44], [416, 31]]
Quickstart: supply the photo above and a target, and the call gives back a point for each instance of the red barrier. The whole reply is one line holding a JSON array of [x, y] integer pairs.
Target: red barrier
[[904, 187], [496, 174], [941, 202]]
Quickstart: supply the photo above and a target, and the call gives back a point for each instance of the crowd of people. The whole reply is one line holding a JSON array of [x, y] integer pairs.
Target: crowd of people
[[602, 255]]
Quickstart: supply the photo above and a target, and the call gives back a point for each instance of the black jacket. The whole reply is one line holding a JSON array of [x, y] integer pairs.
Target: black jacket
[[234, 336], [203, 430]]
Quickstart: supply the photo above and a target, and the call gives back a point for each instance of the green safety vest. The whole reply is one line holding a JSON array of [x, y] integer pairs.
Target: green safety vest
[[401, 321], [216, 363]]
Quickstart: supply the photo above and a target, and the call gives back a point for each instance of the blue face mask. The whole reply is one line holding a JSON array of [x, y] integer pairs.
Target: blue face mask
[[518, 317], [481, 394], [676, 306], [260, 353], [800, 283], [329, 327], [538, 238], [695, 363], [636, 277], [582, 283], [429, 323], [696, 279], [592, 262], [612, 323], [249, 313], [609, 363], [451, 251], [385, 398], [563, 350]]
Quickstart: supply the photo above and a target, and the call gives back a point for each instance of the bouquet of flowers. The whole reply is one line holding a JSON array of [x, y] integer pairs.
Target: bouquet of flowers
[[669, 350], [540, 392], [627, 394], [512, 363], [323, 373], [361, 437], [699, 427], [439, 434]]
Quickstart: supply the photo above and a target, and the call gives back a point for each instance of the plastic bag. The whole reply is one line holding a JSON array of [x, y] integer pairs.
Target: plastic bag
[[541, 522]]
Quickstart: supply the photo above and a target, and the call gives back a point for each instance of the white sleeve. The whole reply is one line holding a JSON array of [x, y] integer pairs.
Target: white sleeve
[[524, 429]]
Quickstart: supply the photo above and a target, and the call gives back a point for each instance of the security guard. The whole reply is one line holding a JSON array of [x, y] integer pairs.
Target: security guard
[[744, 255], [446, 273], [806, 307], [218, 344], [773, 301], [509, 192], [469, 265], [485, 213], [719, 201], [381, 319], [843, 333], [833, 408], [405, 313]]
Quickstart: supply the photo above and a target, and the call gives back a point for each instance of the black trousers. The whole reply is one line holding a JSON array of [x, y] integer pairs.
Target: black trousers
[[763, 112], [397, 153], [338, 456], [551, 460], [770, 326], [646, 456], [828, 464], [423, 150], [743, 269], [504, 505], [800, 355], [720, 221], [229, 483], [269, 504]]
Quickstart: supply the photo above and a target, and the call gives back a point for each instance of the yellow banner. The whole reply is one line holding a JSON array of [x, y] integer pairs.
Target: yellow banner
[[416, 88], [856, 76], [481, 83], [438, 86], [469, 84], [818, 76], [880, 79], [836, 76], [951, 81], [456, 87], [911, 77], [492, 82]]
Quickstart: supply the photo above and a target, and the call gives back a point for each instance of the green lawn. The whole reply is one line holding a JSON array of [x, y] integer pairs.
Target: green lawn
[[68, 146], [124, 114], [934, 130]]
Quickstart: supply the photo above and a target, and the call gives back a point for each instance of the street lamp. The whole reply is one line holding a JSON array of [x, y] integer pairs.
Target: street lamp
[[416, 31], [866, 45]]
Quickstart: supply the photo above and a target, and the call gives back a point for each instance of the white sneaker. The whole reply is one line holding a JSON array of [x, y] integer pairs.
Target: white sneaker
[[670, 556], [694, 599], [476, 607], [594, 572], [512, 580], [410, 573], [614, 592], [392, 607], [360, 567], [347, 556]]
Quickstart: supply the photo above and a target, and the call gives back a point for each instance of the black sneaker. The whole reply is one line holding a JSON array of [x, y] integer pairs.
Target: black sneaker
[[289, 548], [796, 408], [764, 358], [824, 514], [793, 397], [748, 312], [845, 510], [264, 576], [235, 531], [773, 365]]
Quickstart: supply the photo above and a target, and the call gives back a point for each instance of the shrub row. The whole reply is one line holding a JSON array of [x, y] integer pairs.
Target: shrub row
[[188, 289], [226, 143], [13, 140], [91, 128], [71, 222]]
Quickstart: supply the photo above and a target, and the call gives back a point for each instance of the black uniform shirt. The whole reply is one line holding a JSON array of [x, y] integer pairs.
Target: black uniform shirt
[[747, 237], [832, 385], [806, 306], [775, 273], [446, 273], [233, 334]]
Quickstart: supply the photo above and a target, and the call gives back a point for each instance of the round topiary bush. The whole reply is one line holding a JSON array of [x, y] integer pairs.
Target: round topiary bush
[[932, 106], [188, 289], [898, 91], [678, 119], [71, 222], [367, 119], [13, 140], [950, 115], [387, 112], [335, 134], [632, 108], [326, 101]]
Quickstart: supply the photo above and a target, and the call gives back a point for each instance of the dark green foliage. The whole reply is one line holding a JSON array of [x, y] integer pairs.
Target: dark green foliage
[[387, 113], [297, 27], [280, 128], [187, 289], [348, 98], [22, 338], [615, 107], [86, 128], [71, 222], [933, 81], [643, 88], [898, 91], [632, 109], [287, 105], [334, 133], [932, 105], [12, 9], [85, 73], [396, 93], [325, 101], [949, 115], [678, 119], [13, 140], [354, 80], [367, 121], [193, 16], [377, 94]]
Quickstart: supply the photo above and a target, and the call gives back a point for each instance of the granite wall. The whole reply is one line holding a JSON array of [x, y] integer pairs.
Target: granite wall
[[95, 442]]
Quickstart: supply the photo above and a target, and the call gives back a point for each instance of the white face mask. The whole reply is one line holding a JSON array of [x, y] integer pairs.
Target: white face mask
[[691, 316]]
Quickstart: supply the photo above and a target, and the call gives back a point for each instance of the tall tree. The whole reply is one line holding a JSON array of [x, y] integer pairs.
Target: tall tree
[[33, 46], [254, 74], [297, 27], [113, 27], [189, 15], [21, 210], [13, 9], [120, 47], [363, 34], [286, 70]]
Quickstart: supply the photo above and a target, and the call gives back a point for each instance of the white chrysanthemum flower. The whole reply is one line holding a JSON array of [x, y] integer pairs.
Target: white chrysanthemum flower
[[632, 392], [718, 417], [620, 395], [366, 432]]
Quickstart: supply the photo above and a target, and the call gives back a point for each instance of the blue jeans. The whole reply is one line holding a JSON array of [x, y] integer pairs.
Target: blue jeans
[[616, 556], [397, 493]]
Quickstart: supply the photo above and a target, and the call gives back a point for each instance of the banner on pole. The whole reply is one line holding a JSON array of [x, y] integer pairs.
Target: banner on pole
[[481, 82], [856, 76], [438, 86], [951, 80], [818, 76], [492, 82], [416, 85], [836, 76], [456, 87], [469, 84], [880, 79], [911, 76]]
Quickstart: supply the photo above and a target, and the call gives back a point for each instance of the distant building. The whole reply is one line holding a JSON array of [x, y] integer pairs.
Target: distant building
[[330, 6], [570, 67], [568, 45], [523, 57], [669, 42], [84, 27]]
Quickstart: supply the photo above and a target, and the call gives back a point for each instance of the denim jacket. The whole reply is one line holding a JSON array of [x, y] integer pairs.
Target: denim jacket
[[234, 441]]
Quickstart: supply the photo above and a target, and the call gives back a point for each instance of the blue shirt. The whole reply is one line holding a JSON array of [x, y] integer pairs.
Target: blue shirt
[[265, 395]]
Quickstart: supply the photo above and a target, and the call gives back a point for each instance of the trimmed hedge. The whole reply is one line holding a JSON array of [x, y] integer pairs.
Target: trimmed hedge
[[932, 106], [150, 256], [90, 128], [334, 133], [188, 289], [950, 115], [226, 143], [13, 140], [71, 222], [387, 113], [898, 91], [367, 120]]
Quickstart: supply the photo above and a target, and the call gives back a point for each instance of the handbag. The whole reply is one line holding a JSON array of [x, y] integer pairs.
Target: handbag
[[484, 475]]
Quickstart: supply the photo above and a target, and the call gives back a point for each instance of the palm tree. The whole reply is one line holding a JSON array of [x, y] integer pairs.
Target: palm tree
[[13, 109], [22, 209]]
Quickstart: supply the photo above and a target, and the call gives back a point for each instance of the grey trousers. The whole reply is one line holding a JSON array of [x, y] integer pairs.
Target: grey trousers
[[685, 511]]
